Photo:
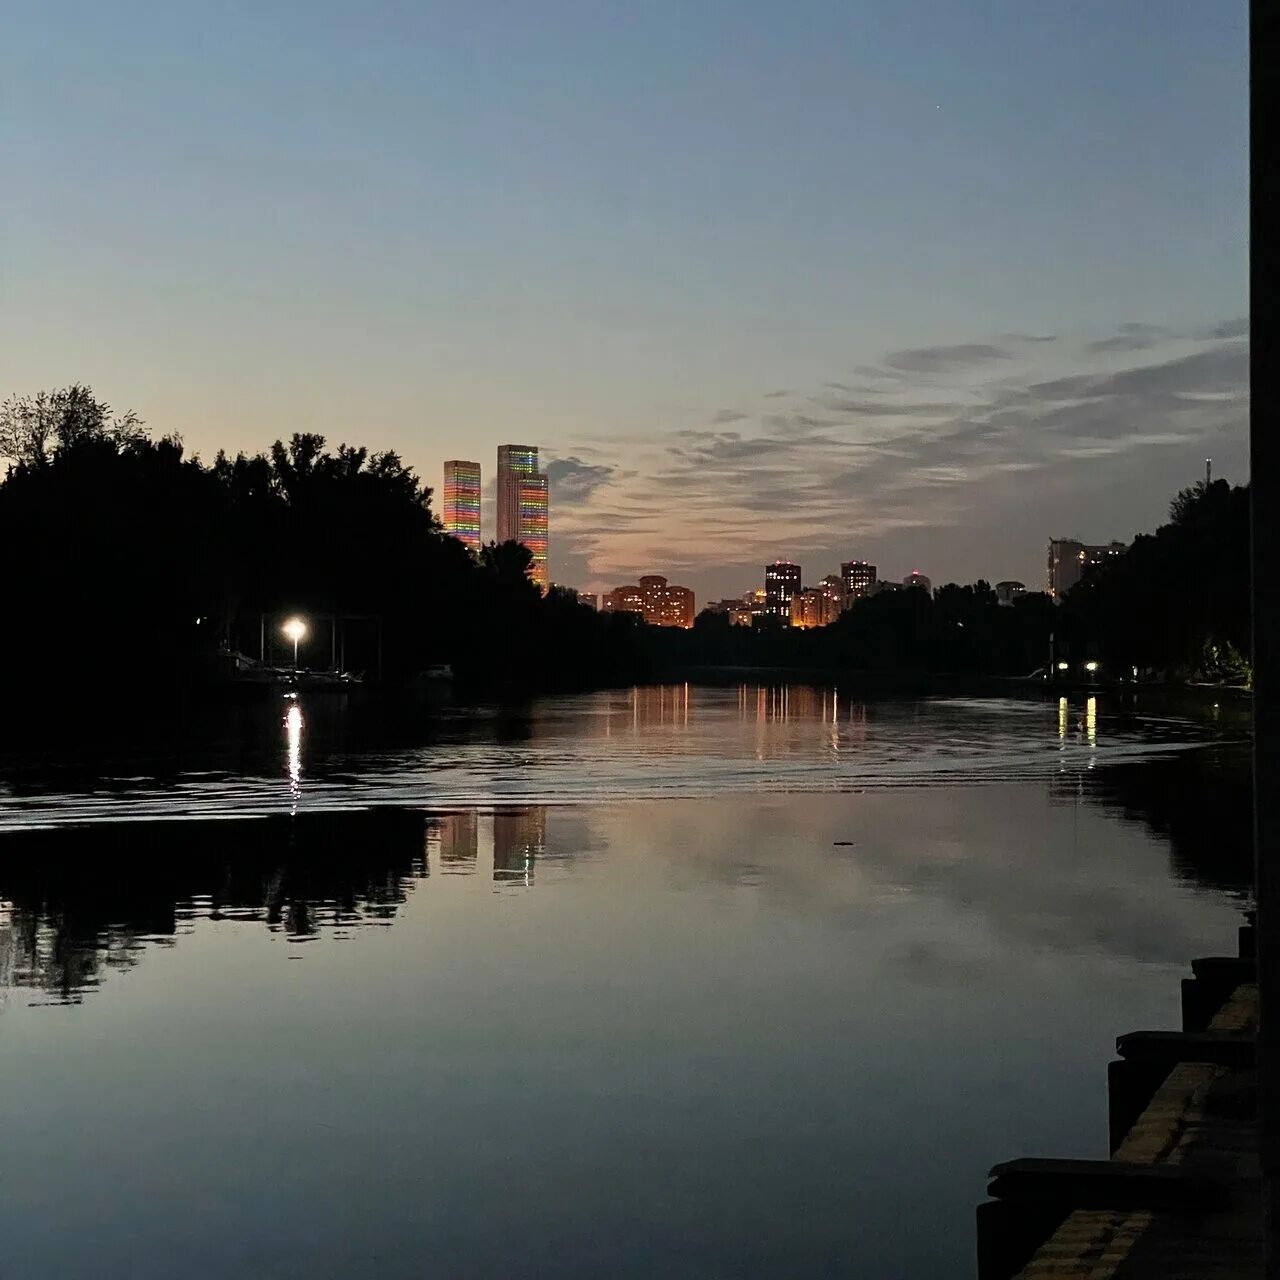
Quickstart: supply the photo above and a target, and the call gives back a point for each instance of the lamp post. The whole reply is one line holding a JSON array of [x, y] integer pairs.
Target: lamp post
[[295, 629]]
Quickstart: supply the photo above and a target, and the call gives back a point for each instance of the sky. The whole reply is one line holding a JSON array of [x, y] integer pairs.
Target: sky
[[923, 284]]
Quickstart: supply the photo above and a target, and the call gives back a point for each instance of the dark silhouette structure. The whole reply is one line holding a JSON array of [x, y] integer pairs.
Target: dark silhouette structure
[[134, 566], [1264, 445]]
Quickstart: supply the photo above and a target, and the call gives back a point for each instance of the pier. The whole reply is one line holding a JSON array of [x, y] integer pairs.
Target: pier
[[1181, 1194]]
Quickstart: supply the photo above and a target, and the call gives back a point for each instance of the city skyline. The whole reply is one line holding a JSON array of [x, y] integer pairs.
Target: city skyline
[[950, 336]]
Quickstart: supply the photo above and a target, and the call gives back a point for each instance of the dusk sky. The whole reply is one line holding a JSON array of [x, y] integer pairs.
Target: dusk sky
[[926, 284]]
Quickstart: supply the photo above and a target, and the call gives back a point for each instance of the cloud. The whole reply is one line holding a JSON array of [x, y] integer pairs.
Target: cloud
[[944, 359], [963, 458], [570, 480]]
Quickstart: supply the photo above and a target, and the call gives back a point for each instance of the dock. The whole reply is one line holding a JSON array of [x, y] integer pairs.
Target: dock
[[1181, 1194]]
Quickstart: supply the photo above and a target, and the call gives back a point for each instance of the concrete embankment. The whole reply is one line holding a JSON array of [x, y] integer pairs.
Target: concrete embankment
[[1181, 1194]]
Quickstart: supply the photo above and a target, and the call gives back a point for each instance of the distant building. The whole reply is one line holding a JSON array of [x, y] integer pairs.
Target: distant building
[[1068, 560], [832, 588], [462, 502], [727, 605], [623, 600], [523, 514], [917, 579], [679, 609], [658, 602], [881, 585], [1008, 592], [737, 608], [818, 606], [858, 577], [589, 598], [653, 595], [781, 584]]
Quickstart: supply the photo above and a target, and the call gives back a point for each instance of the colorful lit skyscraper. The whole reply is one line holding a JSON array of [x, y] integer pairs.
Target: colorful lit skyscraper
[[516, 462], [534, 511], [523, 506], [462, 502]]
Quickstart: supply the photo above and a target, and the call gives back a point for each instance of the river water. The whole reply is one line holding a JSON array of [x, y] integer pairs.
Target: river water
[[678, 981]]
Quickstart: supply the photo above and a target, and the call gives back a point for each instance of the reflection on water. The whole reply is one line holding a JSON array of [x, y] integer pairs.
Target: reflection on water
[[666, 741], [79, 903], [293, 739], [331, 1043]]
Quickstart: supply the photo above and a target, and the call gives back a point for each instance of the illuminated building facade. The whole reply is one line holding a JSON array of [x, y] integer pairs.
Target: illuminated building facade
[[534, 522], [834, 600], [858, 577], [1008, 592], [658, 602], [917, 579], [523, 514], [818, 606], [1068, 560], [678, 608], [623, 600], [781, 585], [462, 502]]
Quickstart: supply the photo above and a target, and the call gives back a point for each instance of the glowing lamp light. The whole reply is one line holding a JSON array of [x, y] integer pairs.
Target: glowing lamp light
[[294, 629], [1062, 666], [1091, 666]]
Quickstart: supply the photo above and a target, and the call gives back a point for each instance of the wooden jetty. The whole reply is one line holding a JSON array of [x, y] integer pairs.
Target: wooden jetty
[[1181, 1194]]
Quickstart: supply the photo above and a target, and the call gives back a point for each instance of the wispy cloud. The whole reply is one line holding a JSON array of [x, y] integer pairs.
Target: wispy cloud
[[944, 359], [965, 457]]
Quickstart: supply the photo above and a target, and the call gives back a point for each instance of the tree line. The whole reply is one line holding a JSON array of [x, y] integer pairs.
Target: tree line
[[128, 563]]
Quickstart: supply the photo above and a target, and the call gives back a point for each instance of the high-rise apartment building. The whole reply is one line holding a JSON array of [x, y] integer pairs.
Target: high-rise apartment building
[[659, 603], [1068, 560], [523, 505], [917, 579], [678, 608], [858, 576], [653, 596], [818, 606], [462, 502], [781, 584]]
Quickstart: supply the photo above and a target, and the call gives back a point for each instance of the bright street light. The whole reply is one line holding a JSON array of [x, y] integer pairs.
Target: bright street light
[[1091, 667], [1062, 666], [295, 629]]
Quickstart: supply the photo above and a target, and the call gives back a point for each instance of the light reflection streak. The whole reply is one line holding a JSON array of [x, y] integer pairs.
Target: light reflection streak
[[293, 741]]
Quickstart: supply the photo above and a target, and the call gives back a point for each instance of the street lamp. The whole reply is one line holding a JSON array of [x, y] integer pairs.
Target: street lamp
[[295, 629]]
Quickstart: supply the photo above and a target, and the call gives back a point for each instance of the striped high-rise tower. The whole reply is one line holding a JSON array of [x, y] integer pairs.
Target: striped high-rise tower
[[523, 506], [462, 502]]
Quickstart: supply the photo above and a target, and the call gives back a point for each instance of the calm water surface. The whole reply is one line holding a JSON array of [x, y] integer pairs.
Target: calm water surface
[[683, 982]]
